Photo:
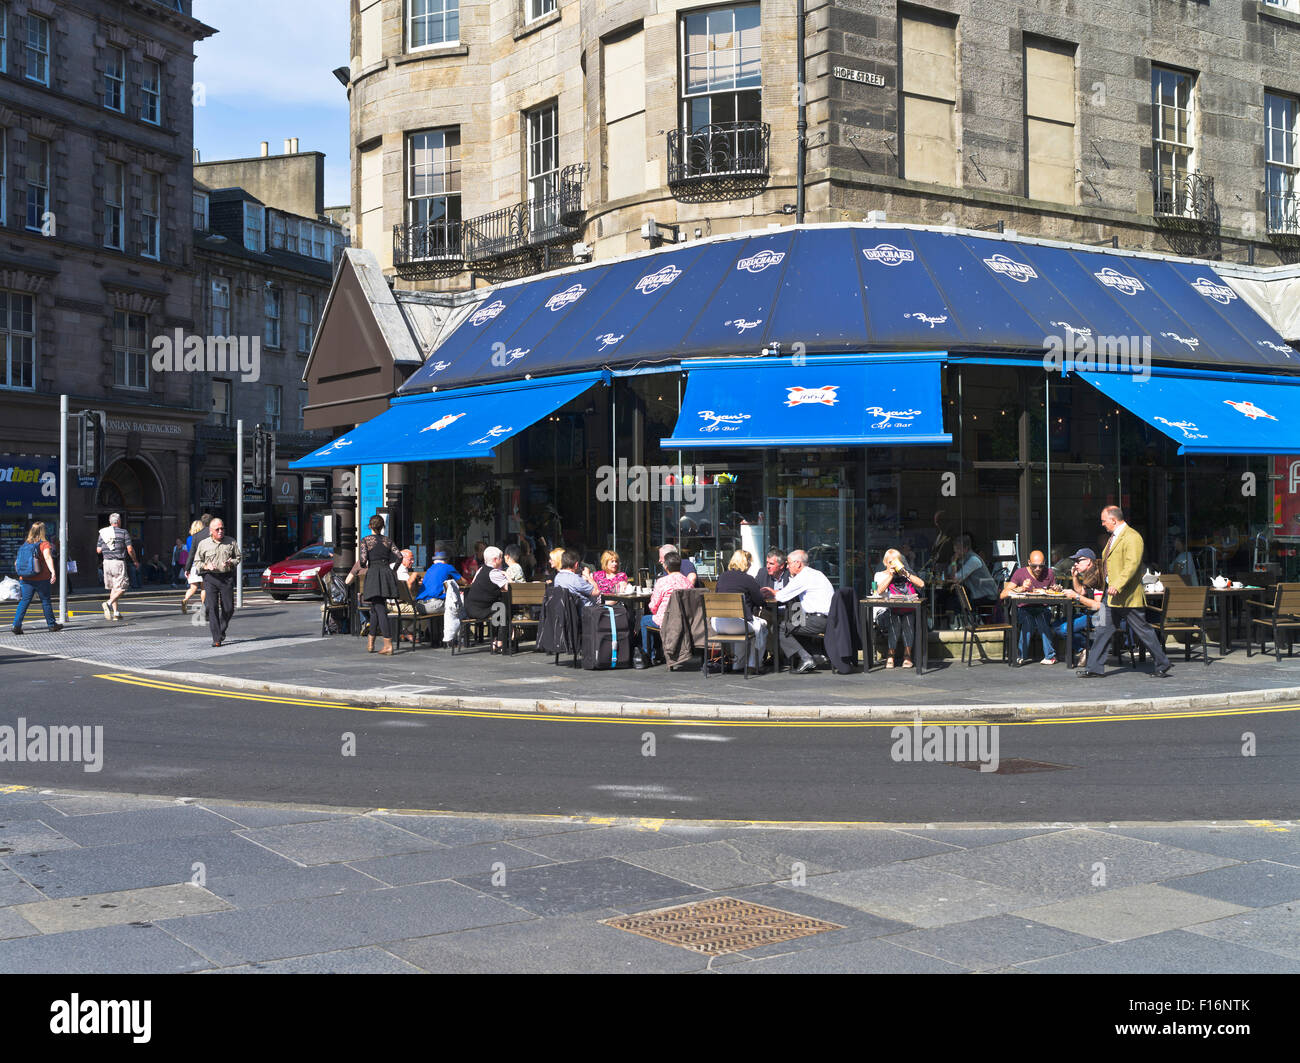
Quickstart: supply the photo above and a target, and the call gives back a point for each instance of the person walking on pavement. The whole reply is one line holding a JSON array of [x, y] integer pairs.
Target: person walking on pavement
[[198, 532], [1121, 562], [35, 570], [216, 558], [114, 547]]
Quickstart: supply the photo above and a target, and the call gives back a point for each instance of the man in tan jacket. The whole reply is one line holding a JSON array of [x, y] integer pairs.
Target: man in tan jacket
[[1121, 564]]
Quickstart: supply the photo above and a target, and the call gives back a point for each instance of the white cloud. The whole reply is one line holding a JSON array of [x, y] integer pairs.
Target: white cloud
[[274, 50]]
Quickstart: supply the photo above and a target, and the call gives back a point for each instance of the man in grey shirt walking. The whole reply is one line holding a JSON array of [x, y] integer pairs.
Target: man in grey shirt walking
[[114, 546]]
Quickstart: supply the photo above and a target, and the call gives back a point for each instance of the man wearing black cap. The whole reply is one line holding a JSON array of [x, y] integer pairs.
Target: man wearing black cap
[[1085, 575]]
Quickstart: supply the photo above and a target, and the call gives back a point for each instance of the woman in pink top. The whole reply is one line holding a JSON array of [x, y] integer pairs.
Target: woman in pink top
[[609, 577], [672, 580]]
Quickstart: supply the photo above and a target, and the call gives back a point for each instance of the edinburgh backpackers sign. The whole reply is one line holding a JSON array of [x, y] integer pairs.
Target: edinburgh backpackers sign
[[29, 484]]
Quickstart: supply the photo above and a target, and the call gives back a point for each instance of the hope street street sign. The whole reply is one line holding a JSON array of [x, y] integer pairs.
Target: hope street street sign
[[865, 77]]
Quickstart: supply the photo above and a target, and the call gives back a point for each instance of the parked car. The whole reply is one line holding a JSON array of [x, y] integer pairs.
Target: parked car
[[297, 573]]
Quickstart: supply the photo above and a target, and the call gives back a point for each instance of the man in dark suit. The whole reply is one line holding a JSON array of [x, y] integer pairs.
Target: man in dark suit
[[774, 576]]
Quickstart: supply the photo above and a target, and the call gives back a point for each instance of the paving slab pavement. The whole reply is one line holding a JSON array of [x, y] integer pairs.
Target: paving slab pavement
[[282, 889]]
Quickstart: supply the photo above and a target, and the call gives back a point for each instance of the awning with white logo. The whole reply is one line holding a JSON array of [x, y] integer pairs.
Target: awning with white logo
[[467, 423], [1211, 413], [832, 400], [848, 288]]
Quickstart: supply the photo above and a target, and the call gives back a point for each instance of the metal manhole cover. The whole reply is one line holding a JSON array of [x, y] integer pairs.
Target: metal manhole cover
[[1014, 766], [721, 925]]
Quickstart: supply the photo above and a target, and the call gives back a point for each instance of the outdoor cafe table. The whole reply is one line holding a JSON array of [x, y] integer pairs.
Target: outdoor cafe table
[[920, 628], [1017, 599], [1226, 597], [636, 603]]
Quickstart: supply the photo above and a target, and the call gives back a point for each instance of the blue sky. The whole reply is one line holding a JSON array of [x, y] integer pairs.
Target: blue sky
[[267, 76]]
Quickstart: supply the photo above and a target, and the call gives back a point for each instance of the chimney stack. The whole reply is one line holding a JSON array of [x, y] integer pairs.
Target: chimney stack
[[288, 146], [266, 149], [294, 149], [196, 156]]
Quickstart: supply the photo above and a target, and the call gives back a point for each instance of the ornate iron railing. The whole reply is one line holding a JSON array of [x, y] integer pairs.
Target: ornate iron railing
[[1189, 196], [1284, 213], [723, 150], [428, 250], [496, 233]]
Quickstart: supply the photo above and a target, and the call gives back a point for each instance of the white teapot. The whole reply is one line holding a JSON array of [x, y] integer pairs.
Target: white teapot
[[1220, 582]]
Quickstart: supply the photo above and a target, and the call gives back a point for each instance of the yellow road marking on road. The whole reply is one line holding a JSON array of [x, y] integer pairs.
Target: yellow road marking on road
[[1268, 824], [167, 686]]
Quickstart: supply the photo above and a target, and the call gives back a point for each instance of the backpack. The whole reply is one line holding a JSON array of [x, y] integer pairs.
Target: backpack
[[25, 563]]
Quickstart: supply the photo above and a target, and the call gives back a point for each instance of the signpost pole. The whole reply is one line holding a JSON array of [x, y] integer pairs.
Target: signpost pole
[[63, 509], [239, 511]]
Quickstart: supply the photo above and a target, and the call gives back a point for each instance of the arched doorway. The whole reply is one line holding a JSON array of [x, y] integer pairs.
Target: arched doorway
[[131, 487]]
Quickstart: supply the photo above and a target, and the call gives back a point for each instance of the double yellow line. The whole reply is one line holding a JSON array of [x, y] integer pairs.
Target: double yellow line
[[166, 686]]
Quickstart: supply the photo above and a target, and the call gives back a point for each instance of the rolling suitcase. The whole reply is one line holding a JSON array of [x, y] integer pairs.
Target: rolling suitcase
[[606, 637]]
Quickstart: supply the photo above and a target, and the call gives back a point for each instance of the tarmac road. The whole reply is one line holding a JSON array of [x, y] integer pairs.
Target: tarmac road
[[185, 740]]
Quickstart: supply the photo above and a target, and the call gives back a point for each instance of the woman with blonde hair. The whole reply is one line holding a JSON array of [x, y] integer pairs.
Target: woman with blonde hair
[[553, 569], [609, 577], [737, 580], [895, 580], [35, 570], [192, 577]]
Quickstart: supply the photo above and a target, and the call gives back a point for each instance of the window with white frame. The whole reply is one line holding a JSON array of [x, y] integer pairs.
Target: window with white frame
[[130, 350], [18, 340], [1173, 135], [115, 79], [201, 211], [220, 306], [274, 305], [151, 92], [38, 49], [433, 191], [114, 198], [38, 182], [1280, 131], [1285, 5], [306, 321], [291, 235], [254, 227], [275, 223], [432, 22], [318, 242], [274, 406], [222, 392], [722, 75], [543, 168], [151, 214], [535, 9]]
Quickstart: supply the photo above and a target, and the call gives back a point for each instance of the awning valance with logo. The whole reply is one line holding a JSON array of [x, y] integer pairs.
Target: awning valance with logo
[[1211, 413], [830, 400], [850, 288], [467, 423]]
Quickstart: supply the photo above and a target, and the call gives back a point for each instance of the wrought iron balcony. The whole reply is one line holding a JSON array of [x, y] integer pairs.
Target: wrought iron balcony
[[1284, 214], [423, 252], [496, 233], [1184, 197], [722, 161]]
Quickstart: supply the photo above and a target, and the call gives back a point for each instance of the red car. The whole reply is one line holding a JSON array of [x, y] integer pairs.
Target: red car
[[297, 573]]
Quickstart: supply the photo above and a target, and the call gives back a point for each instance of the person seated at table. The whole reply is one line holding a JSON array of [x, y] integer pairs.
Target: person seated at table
[[1035, 576], [582, 584], [432, 598], [774, 575], [406, 572], [814, 592], [1184, 564], [896, 580], [687, 566], [737, 580], [1085, 580], [554, 565], [469, 566], [672, 580], [486, 590], [609, 577], [514, 567], [969, 570]]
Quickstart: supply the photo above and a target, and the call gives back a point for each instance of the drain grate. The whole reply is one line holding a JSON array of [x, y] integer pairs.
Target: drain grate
[[721, 925], [1014, 766]]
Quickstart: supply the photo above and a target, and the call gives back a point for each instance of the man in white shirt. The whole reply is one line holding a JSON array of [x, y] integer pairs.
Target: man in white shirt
[[814, 593]]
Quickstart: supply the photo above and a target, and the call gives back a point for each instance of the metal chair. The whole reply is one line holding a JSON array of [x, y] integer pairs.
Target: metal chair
[[409, 613], [1183, 613], [1284, 615], [973, 627], [724, 622], [335, 603]]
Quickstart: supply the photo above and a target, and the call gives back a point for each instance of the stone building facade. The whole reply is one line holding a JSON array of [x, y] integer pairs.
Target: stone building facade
[[1164, 125], [96, 138]]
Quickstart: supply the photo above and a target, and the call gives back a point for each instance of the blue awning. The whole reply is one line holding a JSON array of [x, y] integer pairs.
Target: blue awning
[[467, 423], [1206, 414], [852, 288], [834, 400]]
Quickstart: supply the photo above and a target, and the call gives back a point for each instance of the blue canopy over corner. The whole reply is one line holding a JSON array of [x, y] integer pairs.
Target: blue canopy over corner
[[467, 423], [1211, 413], [833, 400], [851, 288]]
